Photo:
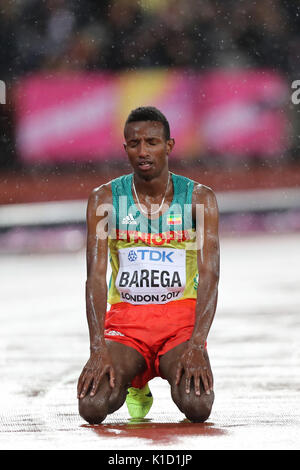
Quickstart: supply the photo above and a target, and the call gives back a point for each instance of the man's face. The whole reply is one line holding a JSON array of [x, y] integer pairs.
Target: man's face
[[147, 147]]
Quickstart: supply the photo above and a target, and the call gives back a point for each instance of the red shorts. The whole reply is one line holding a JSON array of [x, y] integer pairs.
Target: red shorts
[[151, 329]]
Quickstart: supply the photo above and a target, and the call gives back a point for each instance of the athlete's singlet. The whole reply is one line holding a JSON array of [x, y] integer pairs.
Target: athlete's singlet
[[152, 261]]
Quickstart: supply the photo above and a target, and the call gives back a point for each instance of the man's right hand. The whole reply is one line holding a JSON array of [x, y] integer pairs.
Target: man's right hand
[[97, 366]]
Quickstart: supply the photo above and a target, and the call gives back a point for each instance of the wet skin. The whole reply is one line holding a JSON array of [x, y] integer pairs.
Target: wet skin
[[112, 366]]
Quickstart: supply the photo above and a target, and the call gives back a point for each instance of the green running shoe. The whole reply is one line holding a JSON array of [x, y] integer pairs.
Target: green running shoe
[[139, 401]]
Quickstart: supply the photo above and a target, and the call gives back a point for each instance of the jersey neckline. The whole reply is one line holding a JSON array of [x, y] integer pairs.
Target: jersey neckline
[[141, 213]]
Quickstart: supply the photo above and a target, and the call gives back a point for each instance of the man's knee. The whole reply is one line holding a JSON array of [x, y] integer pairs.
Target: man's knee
[[196, 408], [93, 411]]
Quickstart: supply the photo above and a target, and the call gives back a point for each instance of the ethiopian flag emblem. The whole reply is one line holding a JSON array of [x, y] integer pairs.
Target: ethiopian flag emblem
[[174, 219]]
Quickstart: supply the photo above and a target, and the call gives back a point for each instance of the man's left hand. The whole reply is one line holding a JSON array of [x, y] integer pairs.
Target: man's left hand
[[193, 364]]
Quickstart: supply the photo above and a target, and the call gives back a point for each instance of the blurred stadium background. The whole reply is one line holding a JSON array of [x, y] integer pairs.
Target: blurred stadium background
[[220, 71]]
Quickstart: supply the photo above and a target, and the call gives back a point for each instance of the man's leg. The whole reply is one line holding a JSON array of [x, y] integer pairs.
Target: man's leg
[[196, 408], [128, 363]]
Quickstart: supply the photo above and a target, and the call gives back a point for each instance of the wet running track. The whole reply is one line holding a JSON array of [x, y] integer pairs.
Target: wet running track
[[254, 347]]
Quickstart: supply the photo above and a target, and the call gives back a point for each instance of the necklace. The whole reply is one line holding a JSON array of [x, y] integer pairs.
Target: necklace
[[162, 202]]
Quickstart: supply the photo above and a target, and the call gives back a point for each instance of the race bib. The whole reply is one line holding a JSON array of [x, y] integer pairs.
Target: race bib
[[150, 275]]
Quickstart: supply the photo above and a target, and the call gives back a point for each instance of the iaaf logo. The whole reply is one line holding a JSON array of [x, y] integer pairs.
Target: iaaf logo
[[150, 255]]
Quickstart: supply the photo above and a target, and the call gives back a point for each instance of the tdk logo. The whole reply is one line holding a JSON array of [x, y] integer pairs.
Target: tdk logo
[[132, 256], [150, 255]]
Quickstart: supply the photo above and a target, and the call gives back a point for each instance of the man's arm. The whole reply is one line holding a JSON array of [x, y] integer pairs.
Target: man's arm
[[99, 362], [208, 257], [193, 361]]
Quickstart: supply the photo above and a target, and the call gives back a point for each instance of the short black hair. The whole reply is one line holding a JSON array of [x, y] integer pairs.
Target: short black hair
[[149, 113]]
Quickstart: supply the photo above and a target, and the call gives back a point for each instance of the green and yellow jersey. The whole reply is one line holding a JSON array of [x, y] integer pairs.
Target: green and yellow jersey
[[152, 261]]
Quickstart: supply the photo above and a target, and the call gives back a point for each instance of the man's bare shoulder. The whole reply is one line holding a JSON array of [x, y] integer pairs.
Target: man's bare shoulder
[[203, 194], [101, 194]]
